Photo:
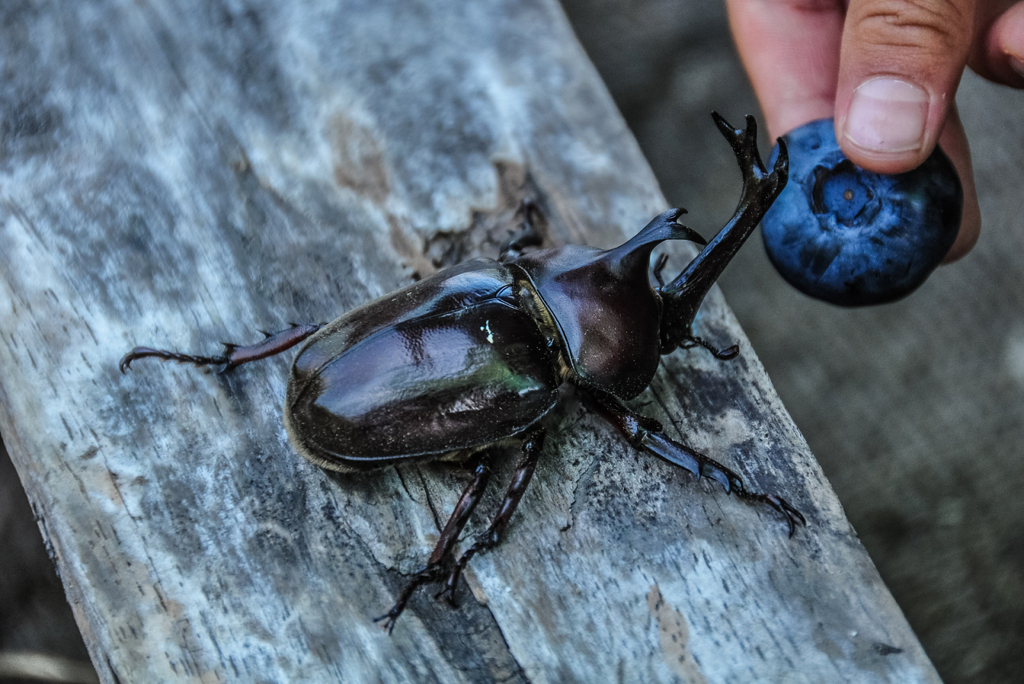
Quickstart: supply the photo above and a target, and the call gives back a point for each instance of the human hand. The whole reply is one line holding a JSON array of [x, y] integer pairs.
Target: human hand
[[886, 70]]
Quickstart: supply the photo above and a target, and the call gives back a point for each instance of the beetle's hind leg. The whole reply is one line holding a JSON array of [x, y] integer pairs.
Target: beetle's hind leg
[[234, 355], [434, 570], [532, 446], [646, 433]]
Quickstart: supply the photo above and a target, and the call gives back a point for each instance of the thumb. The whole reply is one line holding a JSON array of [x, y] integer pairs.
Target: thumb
[[900, 64]]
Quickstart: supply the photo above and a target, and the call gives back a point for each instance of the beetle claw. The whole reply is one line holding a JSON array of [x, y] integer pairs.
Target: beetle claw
[[390, 618], [126, 361], [793, 516], [428, 573], [715, 472], [726, 354], [735, 486], [164, 355]]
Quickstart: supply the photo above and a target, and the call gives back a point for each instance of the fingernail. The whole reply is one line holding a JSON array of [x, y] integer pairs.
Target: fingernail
[[887, 115]]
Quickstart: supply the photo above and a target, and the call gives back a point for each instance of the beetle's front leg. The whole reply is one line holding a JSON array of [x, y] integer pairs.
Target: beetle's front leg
[[726, 354], [234, 355], [532, 446], [434, 569], [646, 433]]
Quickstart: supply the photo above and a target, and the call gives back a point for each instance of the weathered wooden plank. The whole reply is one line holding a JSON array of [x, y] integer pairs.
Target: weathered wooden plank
[[179, 175]]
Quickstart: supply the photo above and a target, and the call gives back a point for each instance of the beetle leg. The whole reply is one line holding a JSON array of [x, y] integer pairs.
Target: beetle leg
[[659, 266], [721, 354], [449, 535], [532, 446], [526, 236], [234, 355], [646, 433]]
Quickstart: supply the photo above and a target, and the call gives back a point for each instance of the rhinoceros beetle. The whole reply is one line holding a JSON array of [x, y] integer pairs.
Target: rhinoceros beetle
[[471, 358]]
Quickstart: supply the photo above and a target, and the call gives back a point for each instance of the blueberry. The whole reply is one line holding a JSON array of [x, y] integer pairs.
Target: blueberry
[[852, 237]]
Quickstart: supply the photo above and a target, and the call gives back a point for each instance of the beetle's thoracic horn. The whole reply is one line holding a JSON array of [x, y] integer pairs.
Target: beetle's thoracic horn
[[634, 255], [663, 227], [683, 296]]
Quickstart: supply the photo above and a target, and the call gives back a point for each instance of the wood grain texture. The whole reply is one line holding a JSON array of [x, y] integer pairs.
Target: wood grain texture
[[178, 175]]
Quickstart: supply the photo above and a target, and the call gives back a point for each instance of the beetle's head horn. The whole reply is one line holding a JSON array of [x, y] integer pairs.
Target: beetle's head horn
[[683, 296]]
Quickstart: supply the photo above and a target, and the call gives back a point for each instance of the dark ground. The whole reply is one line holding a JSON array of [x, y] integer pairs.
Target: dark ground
[[34, 615], [915, 410]]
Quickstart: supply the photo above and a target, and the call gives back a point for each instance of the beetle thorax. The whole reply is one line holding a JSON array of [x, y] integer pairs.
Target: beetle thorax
[[599, 313]]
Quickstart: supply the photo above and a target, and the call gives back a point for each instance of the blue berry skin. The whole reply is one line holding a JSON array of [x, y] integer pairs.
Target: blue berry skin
[[852, 237]]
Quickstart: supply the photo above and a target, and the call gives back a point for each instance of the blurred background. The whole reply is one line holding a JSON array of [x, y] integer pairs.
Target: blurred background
[[38, 634], [915, 410]]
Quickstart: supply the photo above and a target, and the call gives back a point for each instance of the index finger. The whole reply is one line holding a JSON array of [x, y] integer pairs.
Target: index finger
[[790, 49]]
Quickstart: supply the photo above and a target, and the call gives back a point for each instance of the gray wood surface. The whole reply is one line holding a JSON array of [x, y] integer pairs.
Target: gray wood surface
[[177, 175]]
